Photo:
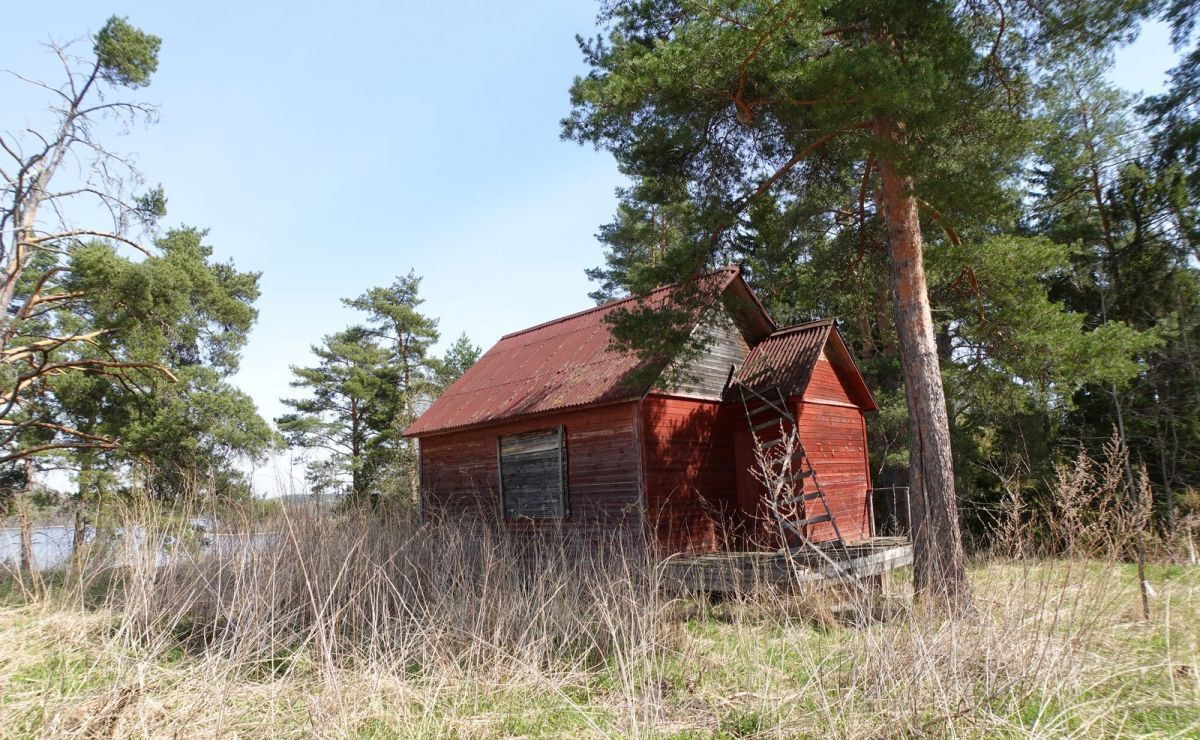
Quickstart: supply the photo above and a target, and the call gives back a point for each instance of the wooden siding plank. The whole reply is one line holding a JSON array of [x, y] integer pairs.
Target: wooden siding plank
[[691, 484], [707, 374], [832, 434], [460, 470]]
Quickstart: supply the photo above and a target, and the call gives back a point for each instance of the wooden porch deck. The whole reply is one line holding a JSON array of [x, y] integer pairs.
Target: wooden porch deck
[[731, 572]]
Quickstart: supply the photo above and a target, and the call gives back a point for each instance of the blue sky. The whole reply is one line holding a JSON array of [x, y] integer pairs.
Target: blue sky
[[332, 146]]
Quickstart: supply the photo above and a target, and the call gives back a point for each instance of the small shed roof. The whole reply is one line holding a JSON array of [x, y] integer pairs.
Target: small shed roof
[[788, 357], [561, 364]]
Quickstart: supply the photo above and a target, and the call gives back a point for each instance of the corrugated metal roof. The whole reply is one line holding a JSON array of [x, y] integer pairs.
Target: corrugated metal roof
[[787, 357], [561, 364]]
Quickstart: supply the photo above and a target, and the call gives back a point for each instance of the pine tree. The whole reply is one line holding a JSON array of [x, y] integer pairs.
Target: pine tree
[[458, 359], [907, 112], [371, 382], [407, 337], [347, 416], [1124, 216]]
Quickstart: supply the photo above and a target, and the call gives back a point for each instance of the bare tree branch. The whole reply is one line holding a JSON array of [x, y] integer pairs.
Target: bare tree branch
[[58, 428], [36, 241], [31, 451]]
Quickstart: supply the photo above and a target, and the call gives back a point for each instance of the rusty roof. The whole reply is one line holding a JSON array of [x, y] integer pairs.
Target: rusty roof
[[561, 364], [788, 357]]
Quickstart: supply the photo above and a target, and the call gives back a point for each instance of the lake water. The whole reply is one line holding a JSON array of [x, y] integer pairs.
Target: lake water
[[51, 545]]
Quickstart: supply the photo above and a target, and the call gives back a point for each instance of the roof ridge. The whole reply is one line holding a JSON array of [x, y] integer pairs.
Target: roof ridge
[[577, 314], [605, 306], [799, 327]]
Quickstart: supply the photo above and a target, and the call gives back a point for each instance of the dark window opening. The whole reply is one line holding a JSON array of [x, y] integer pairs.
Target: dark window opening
[[533, 474]]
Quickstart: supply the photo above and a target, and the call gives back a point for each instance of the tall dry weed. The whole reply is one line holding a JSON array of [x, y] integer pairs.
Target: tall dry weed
[[336, 624], [1090, 512], [454, 598]]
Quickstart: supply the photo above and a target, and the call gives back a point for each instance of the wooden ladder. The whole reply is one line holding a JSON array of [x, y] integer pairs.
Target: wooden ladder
[[794, 507]]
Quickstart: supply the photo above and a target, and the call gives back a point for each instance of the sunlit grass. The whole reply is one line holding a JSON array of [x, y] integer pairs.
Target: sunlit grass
[[356, 628]]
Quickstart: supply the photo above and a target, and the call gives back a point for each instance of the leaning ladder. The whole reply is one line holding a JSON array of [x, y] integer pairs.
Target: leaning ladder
[[793, 507]]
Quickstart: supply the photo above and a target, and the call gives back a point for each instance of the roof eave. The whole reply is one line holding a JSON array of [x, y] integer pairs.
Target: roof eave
[[516, 417]]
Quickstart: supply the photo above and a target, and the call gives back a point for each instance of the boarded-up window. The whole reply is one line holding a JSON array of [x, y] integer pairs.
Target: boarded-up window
[[533, 474]]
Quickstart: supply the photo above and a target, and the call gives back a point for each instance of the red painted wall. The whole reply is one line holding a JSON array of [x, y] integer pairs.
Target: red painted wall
[[693, 455], [691, 476], [459, 470], [834, 433]]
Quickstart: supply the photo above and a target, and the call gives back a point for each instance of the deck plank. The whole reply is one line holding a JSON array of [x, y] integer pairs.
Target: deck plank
[[741, 571]]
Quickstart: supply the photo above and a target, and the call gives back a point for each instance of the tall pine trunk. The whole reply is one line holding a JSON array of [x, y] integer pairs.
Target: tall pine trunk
[[939, 571]]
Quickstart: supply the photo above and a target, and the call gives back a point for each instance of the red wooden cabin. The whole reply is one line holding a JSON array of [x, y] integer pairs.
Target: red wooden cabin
[[551, 427]]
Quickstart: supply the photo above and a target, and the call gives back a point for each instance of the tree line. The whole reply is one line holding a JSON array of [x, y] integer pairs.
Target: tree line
[[1007, 240], [119, 338]]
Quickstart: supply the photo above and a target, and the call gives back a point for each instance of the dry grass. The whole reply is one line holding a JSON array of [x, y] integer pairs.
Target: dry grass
[[365, 626], [1057, 648]]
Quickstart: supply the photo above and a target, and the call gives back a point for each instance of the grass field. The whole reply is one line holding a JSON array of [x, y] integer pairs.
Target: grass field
[[350, 630]]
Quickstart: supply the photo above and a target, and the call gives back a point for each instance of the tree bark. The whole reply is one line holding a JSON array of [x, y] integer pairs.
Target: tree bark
[[79, 531], [939, 569], [28, 563]]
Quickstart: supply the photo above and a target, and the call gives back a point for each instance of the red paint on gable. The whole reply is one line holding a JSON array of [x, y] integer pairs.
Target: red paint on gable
[[833, 431]]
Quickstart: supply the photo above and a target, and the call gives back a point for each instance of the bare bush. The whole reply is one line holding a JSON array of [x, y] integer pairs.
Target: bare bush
[[457, 598], [1090, 511]]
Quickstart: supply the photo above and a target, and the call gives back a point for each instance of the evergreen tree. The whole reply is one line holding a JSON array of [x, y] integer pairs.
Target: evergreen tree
[[458, 359], [60, 318], [407, 336], [1175, 114], [1172, 393], [190, 317], [895, 118], [370, 384], [405, 333], [1124, 216], [118, 339], [347, 416]]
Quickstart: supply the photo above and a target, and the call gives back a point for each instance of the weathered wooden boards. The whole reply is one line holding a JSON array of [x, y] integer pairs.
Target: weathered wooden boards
[[533, 476], [740, 572], [460, 470]]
